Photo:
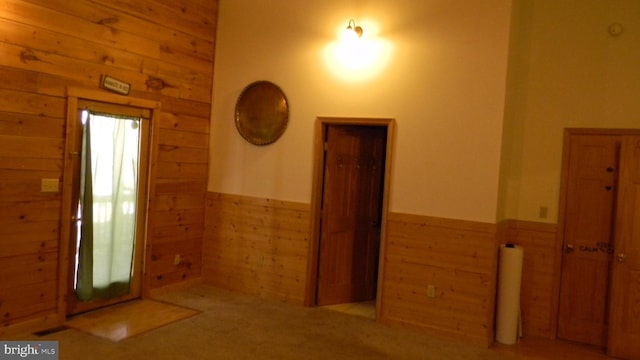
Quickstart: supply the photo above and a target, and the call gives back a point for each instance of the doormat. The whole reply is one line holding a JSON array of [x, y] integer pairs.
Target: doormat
[[121, 321]]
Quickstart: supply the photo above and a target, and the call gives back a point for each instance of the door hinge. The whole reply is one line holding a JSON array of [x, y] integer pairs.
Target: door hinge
[[326, 146]]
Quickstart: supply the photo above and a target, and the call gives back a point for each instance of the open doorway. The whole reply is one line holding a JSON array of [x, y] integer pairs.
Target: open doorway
[[351, 175]]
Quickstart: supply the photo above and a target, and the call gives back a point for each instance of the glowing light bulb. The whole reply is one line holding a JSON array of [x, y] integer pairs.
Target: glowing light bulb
[[349, 35]]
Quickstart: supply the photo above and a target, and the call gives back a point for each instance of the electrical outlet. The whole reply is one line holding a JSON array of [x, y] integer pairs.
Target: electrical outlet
[[542, 213], [431, 291], [177, 259]]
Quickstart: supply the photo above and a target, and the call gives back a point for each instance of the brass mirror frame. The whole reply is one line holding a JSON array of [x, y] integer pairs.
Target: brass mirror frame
[[261, 113]]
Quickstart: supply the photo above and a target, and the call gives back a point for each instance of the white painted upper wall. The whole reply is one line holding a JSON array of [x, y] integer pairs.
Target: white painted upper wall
[[443, 81], [566, 71]]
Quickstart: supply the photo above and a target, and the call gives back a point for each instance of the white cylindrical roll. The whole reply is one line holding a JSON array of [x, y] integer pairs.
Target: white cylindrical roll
[[508, 296]]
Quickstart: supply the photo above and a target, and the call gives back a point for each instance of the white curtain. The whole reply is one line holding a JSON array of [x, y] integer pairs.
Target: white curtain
[[106, 246]]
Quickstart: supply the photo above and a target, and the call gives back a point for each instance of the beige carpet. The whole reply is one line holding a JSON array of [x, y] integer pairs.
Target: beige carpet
[[128, 319], [233, 326]]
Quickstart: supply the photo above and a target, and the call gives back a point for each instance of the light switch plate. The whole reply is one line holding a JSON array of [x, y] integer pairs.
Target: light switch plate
[[431, 291], [50, 185]]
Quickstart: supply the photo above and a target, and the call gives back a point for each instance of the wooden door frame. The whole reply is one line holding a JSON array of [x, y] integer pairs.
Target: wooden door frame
[[73, 95], [321, 125], [564, 182]]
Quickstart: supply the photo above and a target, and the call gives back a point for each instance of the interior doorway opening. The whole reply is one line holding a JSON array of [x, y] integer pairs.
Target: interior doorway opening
[[349, 205]]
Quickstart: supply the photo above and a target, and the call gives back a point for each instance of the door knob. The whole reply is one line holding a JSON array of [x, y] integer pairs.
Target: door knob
[[622, 257], [569, 248]]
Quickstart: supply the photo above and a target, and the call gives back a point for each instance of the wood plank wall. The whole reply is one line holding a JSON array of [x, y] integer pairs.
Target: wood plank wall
[[165, 50], [257, 246], [540, 275], [260, 247], [459, 258]]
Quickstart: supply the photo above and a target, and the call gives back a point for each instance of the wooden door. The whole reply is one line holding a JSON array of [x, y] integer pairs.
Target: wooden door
[[588, 247], [133, 203], [351, 212], [624, 310]]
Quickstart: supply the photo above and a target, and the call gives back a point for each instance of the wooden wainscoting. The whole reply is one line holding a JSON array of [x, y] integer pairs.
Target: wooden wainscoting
[[260, 247], [540, 274], [257, 246], [458, 258]]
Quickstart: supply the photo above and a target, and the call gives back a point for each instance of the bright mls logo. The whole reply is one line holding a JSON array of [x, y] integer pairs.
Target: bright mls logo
[[29, 350]]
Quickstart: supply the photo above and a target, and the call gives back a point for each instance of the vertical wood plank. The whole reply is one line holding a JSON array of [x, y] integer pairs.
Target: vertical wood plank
[[257, 246], [539, 274], [457, 259]]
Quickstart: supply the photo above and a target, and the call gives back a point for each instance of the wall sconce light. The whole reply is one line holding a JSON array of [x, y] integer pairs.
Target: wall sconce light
[[352, 31], [357, 57]]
